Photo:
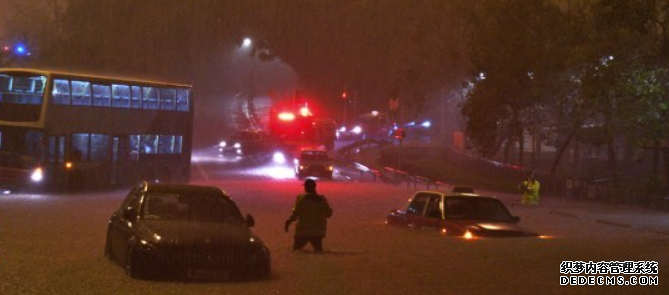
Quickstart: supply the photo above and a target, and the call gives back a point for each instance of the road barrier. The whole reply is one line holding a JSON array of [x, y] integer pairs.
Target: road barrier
[[603, 190]]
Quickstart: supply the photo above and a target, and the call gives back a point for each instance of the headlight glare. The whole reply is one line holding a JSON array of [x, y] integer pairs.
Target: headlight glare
[[37, 175]]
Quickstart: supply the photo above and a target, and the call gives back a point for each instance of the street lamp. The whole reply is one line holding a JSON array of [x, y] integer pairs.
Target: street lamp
[[247, 42]]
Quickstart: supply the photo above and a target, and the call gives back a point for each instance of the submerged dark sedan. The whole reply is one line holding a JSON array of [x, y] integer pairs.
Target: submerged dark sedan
[[459, 214], [184, 231]]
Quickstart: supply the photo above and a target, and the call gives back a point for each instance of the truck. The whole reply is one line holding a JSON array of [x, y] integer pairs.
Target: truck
[[294, 126]]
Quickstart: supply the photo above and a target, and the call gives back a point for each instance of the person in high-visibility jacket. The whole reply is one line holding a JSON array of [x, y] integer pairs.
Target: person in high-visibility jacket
[[530, 189], [311, 212]]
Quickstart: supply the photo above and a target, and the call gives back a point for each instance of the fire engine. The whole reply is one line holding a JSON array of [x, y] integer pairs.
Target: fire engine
[[294, 126]]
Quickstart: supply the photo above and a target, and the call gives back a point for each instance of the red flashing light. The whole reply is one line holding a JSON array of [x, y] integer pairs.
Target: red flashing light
[[304, 111], [6, 48], [286, 116], [344, 95]]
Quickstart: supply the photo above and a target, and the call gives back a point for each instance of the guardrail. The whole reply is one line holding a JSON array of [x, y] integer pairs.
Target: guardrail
[[583, 188], [398, 177], [388, 174]]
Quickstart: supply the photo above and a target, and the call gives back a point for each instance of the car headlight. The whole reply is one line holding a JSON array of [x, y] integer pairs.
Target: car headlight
[[279, 158], [357, 130], [223, 144], [37, 175], [237, 145], [146, 245]]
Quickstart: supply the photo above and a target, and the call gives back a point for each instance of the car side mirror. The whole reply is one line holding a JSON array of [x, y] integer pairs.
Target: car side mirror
[[250, 221], [515, 219]]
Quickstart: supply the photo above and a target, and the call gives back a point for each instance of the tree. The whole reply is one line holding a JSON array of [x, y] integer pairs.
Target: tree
[[517, 44]]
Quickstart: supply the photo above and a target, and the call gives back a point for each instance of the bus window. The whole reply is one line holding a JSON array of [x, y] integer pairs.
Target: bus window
[[79, 147], [81, 93], [150, 98], [136, 97], [133, 147], [177, 144], [182, 100], [165, 144], [22, 90], [167, 98], [61, 91], [148, 144], [19, 147], [31, 88], [101, 95], [99, 147], [120, 96]]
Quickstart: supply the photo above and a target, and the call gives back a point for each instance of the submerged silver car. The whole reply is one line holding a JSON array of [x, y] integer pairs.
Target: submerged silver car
[[460, 214]]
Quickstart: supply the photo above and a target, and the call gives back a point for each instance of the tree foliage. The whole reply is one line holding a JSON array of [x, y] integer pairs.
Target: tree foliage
[[517, 44]]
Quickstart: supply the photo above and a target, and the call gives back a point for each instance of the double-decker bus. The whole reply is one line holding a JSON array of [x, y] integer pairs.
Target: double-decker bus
[[61, 130]]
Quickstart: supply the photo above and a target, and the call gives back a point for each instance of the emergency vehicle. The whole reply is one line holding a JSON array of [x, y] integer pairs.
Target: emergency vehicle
[[294, 126]]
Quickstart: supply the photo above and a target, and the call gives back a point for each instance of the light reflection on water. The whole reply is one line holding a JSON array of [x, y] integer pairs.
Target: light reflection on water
[[11, 196]]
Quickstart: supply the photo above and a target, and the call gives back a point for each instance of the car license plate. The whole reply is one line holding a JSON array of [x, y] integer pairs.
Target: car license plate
[[208, 274]]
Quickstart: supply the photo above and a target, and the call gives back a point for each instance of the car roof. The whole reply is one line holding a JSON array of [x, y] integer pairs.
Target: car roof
[[314, 152], [456, 194], [249, 131], [182, 188]]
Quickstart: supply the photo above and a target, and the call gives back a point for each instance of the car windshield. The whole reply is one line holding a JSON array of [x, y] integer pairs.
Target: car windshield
[[314, 156], [191, 207], [483, 209], [21, 96]]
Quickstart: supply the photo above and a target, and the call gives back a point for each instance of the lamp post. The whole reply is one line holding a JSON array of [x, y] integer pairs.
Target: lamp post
[[247, 42], [344, 98]]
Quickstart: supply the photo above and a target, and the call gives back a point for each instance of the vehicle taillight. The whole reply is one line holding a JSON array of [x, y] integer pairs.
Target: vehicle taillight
[[286, 116]]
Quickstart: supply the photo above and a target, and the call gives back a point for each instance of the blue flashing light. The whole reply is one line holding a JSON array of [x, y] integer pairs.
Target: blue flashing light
[[20, 49]]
